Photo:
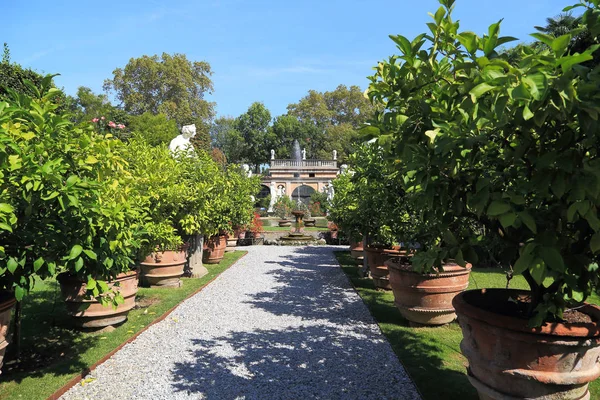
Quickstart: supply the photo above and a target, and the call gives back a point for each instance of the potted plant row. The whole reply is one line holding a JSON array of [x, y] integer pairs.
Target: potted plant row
[[370, 199], [507, 146], [64, 210], [83, 207]]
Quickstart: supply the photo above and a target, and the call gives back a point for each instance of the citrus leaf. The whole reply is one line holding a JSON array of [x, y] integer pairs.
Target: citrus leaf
[[498, 207]]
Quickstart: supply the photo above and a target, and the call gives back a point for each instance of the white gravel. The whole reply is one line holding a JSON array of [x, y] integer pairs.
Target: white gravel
[[282, 323]]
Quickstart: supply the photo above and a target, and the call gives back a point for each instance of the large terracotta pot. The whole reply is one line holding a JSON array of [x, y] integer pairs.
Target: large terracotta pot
[[214, 249], [376, 258], [163, 269], [88, 312], [426, 299], [284, 222], [357, 251], [509, 360], [231, 244], [310, 222], [7, 302]]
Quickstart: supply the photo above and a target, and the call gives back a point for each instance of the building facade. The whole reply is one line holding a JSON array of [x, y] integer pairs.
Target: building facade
[[298, 179]]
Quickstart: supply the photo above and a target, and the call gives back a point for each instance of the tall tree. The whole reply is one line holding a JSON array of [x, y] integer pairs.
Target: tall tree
[[254, 128], [228, 139], [335, 117], [342, 138], [287, 128], [201, 140], [155, 129], [342, 105], [565, 23], [171, 85], [560, 25], [91, 105]]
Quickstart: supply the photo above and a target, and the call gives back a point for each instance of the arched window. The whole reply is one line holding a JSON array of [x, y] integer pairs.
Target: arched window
[[302, 193], [262, 196]]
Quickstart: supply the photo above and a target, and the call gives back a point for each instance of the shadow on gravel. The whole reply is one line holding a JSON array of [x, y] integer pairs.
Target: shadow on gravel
[[333, 355], [308, 362], [311, 286]]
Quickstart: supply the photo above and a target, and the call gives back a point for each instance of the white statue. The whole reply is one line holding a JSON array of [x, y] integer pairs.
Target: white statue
[[182, 142], [273, 192], [334, 155], [280, 191], [330, 191], [247, 170], [304, 154], [272, 154]]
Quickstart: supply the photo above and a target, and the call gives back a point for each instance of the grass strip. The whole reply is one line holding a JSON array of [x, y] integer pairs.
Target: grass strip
[[52, 353], [431, 356]]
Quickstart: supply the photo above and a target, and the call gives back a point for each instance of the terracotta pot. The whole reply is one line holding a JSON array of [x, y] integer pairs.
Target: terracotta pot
[[214, 249], [509, 360], [87, 312], [163, 269], [426, 299], [310, 222], [357, 251], [231, 244], [284, 222], [7, 302], [376, 258]]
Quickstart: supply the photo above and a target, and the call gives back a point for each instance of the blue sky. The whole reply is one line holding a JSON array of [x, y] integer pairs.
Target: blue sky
[[269, 51]]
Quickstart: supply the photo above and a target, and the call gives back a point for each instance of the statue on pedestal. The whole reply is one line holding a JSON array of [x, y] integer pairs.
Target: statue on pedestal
[[182, 142], [330, 191], [273, 192], [247, 170], [280, 191], [334, 155], [304, 154], [272, 154]]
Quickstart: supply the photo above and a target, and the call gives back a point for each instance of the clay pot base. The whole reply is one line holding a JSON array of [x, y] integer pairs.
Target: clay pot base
[[426, 317], [487, 393], [157, 281], [509, 360]]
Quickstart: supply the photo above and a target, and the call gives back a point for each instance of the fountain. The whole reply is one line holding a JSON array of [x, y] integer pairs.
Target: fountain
[[297, 235], [296, 157]]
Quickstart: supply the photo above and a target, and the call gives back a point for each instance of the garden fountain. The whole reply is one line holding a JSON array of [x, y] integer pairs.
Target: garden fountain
[[296, 158], [297, 235]]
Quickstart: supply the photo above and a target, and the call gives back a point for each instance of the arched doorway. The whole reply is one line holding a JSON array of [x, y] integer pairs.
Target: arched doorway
[[302, 193], [263, 197]]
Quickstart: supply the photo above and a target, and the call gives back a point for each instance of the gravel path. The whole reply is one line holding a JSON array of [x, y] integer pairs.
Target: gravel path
[[282, 323]]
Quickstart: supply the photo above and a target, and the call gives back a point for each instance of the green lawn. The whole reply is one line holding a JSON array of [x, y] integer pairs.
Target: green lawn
[[431, 355], [53, 353]]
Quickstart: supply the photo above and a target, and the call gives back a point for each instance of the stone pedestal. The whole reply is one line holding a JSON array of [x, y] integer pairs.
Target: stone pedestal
[[195, 267]]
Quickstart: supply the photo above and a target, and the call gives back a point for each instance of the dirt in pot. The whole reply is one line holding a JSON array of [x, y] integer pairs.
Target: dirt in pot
[[517, 306]]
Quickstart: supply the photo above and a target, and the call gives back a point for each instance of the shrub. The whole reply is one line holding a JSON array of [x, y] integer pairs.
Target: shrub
[[283, 207], [256, 226], [64, 198], [370, 201], [320, 203], [512, 147], [154, 129]]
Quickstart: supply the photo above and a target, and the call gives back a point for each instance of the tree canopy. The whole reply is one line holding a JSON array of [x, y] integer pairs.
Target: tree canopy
[[169, 84], [253, 126], [342, 105]]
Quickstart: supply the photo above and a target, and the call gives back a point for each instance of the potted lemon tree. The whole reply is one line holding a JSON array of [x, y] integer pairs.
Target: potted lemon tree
[[514, 147], [65, 210]]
